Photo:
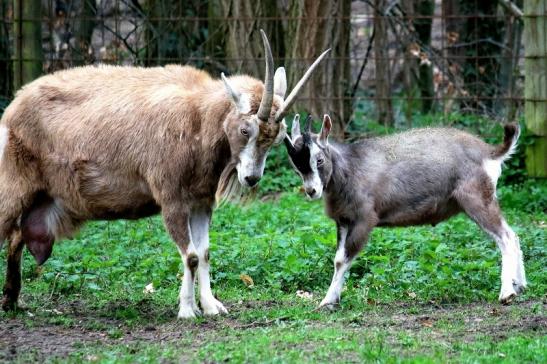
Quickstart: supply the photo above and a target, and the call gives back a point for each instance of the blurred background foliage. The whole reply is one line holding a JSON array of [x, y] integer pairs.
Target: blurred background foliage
[[394, 64]]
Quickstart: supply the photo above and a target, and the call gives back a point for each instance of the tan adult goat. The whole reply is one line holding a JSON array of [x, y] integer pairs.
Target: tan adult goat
[[124, 143]]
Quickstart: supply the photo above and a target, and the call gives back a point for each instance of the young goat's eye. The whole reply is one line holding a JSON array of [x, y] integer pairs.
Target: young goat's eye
[[320, 161], [244, 132]]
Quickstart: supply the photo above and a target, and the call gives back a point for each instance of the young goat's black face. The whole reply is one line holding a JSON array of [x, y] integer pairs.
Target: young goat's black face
[[310, 156]]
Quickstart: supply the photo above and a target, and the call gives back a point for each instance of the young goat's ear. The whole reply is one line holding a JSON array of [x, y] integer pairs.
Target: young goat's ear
[[240, 100], [325, 131], [280, 82], [295, 130]]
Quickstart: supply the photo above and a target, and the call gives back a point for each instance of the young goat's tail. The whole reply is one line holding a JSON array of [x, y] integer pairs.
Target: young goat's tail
[[509, 146]]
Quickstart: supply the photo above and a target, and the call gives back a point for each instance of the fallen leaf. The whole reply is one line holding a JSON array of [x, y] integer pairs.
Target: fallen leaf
[[304, 295], [247, 280], [149, 289]]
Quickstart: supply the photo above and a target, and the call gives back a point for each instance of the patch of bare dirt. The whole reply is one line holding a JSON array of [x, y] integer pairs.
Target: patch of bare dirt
[[43, 337]]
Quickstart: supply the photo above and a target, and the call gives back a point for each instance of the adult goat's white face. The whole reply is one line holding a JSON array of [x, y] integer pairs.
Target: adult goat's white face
[[257, 124]]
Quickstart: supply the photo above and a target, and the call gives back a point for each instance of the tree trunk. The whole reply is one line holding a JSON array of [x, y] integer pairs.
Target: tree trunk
[[5, 56], [27, 30], [417, 76], [410, 65], [83, 32], [505, 106], [313, 27], [234, 27], [383, 74], [535, 88], [170, 38], [423, 31], [479, 39]]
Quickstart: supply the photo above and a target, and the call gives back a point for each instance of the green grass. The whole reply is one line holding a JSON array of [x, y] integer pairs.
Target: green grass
[[419, 294]]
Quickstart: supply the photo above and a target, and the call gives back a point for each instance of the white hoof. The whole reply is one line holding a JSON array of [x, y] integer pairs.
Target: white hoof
[[211, 306], [188, 312]]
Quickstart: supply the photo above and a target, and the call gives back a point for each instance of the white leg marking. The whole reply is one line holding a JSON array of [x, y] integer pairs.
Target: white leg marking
[[199, 227], [512, 267], [187, 305], [519, 280], [341, 265]]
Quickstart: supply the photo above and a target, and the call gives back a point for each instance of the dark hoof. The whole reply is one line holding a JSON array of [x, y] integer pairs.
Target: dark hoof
[[508, 300], [519, 289], [9, 304], [329, 307]]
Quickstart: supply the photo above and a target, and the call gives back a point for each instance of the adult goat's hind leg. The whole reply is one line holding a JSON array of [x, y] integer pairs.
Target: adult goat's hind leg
[[12, 286], [15, 194], [484, 210]]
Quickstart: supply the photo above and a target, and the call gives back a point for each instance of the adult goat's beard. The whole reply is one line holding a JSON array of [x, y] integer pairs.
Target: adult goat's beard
[[230, 190]]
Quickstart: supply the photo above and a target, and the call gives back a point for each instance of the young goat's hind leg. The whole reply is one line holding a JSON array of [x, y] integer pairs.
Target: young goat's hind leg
[[482, 207]]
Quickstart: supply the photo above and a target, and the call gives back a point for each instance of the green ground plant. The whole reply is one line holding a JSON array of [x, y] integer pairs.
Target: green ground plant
[[414, 295], [409, 296]]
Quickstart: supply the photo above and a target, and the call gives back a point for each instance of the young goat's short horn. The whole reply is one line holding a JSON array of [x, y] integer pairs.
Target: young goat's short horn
[[307, 126], [267, 96]]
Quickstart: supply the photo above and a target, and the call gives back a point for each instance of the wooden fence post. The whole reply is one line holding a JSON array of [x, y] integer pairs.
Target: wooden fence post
[[27, 31], [535, 88]]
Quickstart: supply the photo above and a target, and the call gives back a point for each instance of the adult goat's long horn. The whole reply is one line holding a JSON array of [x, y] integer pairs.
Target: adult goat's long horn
[[292, 96], [267, 95]]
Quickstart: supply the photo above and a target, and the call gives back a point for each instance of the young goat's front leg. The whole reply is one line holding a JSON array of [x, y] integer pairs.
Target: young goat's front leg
[[350, 242], [176, 218], [199, 226]]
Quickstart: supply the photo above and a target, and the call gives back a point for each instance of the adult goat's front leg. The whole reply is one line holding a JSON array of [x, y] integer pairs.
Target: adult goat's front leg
[[176, 218], [199, 225], [350, 241]]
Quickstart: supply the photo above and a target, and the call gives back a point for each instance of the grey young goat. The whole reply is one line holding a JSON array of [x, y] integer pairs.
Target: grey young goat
[[422, 176]]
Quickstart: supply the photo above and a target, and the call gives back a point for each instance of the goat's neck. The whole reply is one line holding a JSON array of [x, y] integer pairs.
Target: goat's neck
[[341, 172]]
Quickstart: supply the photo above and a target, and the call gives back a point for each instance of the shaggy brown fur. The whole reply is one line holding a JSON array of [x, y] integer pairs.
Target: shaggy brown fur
[[117, 142]]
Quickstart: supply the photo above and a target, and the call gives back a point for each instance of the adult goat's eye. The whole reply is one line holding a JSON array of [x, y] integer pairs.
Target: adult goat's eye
[[244, 132], [320, 161]]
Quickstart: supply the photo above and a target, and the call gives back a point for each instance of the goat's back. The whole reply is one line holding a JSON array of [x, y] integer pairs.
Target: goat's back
[[417, 171], [103, 112]]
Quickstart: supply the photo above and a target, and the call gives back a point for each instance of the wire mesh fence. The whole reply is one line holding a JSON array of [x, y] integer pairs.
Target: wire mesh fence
[[390, 60]]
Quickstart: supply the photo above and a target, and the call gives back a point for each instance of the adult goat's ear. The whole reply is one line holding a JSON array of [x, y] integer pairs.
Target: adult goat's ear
[[280, 82], [240, 100], [325, 131]]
